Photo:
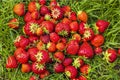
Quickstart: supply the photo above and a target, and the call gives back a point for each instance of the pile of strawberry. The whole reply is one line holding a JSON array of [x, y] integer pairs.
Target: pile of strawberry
[[53, 34]]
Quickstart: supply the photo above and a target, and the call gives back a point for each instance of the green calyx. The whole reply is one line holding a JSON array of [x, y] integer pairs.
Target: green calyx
[[33, 27], [47, 17], [37, 5], [76, 63], [106, 56], [39, 56], [45, 30], [39, 66], [63, 33], [68, 73]]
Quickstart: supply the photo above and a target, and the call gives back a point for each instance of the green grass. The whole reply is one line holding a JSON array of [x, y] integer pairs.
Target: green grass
[[97, 9]]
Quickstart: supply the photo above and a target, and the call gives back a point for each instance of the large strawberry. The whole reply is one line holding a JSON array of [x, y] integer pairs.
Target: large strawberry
[[78, 62], [102, 25], [54, 37], [44, 10], [85, 69], [27, 17], [26, 68], [11, 62], [86, 50], [72, 47], [59, 56], [82, 27], [71, 71], [13, 23], [62, 29], [67, 61], [58, 68]]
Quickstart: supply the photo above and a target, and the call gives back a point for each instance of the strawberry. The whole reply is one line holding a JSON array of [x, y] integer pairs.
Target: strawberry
[[72, 47], [66, 9], [11, 62], [44, 10], [28, 17], [76, 37], [13, 23], [86, 50], [72, 16], [82, 15], [82, 27], [24, 42], [58, 68], [40, 20], [71, 71], [42, 56], [39, 31], [102, 25], [38, 68], [110, 55], [19, 9], [78, 62], [54, 37], [45, 38], [62, 29], [53, 4], [32, 78], [26, 68], [51, 47], [67, 61], [85, 69], [98, 50], [42, 2], [82, 78], [32, 52], [66, 21], [63, 40], [59, 56], [35, 15], [74, 26], [33, 39], [98, 40], [60, 46], [57, 13], [41, 45], [33, 6], [45, 74]]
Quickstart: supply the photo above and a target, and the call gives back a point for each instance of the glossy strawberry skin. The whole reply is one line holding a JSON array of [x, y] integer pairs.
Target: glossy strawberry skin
[[85, 69], [66, 21], [102, 25], [45, 74], [27, 17], [82, 15], [76, 37], [45, 38], [41, 46], [54, 37], [11, 62], [86, 50], [98, 50], [74, 26], [58, 68], [24, 42], [82, 78], [44, 10], [35, 15], [51, 47], [67, 61], [72, 16], [32, 78], [60, 46], [26, 68], [42, 2], [13, 23], [33, 39], [82, 27], [59, 56]]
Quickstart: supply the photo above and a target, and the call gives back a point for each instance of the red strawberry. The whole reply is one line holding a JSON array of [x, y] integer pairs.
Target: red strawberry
[[33, 6], [26, 68], [58, 68], [62, 29], [66, 10], [60, 46], [39, 31], [98, 50], [13, 23], [82, 27], [76, 37], [86, 50], [119, 51], [42, 56], [110, 55], [24, 42], [72, 16], [67, 61], [27, 17], [78, 62], [33, 78], [35, 15], [40, 20], [32, 52], [74, 26], [54, 37], [38, 68], [42, 2], [102, 25], [59, 56], [72, 47], [82, 78], [53, 4], [66, 21], [88, 34], [19, 9], [33, 39], [57, 12], [85, 69], [45, 74], [11, 62], [63, 40], [51, 47], [71, 71], [44, 10], [98, 40], [45, 38], [41, 45], [82, 15]]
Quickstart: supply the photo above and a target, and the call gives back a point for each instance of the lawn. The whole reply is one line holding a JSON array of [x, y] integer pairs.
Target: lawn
[[97, 9]]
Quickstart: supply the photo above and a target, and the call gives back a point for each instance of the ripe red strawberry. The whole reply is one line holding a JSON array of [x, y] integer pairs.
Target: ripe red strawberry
[[47, 27], [62, 29], [76, 37], [66, 9], [78, 62], [42, 2], [82, 78], [57, 13], [74, 26], [54, 37], [63, 40], [60, 46], [33, 6], [82, 27], [86, 50], [44, 10], [59, 56], [72, 16], [42, 56], [41, 45], [33, 39], [102, 25], [98, 40], [72, 47], [45, 74], [88, 34], [85, 69], [11, 62], [58, 68], [110, 55], [32, 52], [119, 51], [13, 23], [45, 38], [38, 68], [26, 68], [98, 50], [82, 15], [30, 28], [35, 15], [27, 17], [33, 78], [24, 42], [19, 9], [67, 61], [66, 21], [71, 71], [51, 47]]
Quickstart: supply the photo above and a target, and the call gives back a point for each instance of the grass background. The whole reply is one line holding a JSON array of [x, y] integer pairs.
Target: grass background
[[97, 9]]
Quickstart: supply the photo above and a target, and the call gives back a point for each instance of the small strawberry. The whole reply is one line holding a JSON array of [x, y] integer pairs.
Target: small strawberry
[[102, 25], [45, 38], [82, 27], [19, 9], [82, 78], [33, 39], [33, 78], [58, 68], [35, 15], [28, 17], [66, 9], [51, 47], [39, 31], [67, 61], [72, 16], [11, 62], [66, 21], [76, 37], [42, 2], [72, 47], [24, 42], [85, 69], [13, 23], [98, 50], [54, 37], [98, 40], [26, 68], [82, 15], [44, 10], [78, 62], [45, 74], [60, 46], [86, 50], [74, 26], [41, 45], [59, 56], [71, 71]]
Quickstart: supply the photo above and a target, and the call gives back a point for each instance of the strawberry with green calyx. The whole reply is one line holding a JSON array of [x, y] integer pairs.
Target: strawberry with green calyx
[[13, 23], [66, 10], [51, 47], [44, 10], [82, 16], [41, 46], [85, 69], [98, 50], [59, 56], [58, 68], [26, 68], [76, 37], [82, 27], [78, 62]]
